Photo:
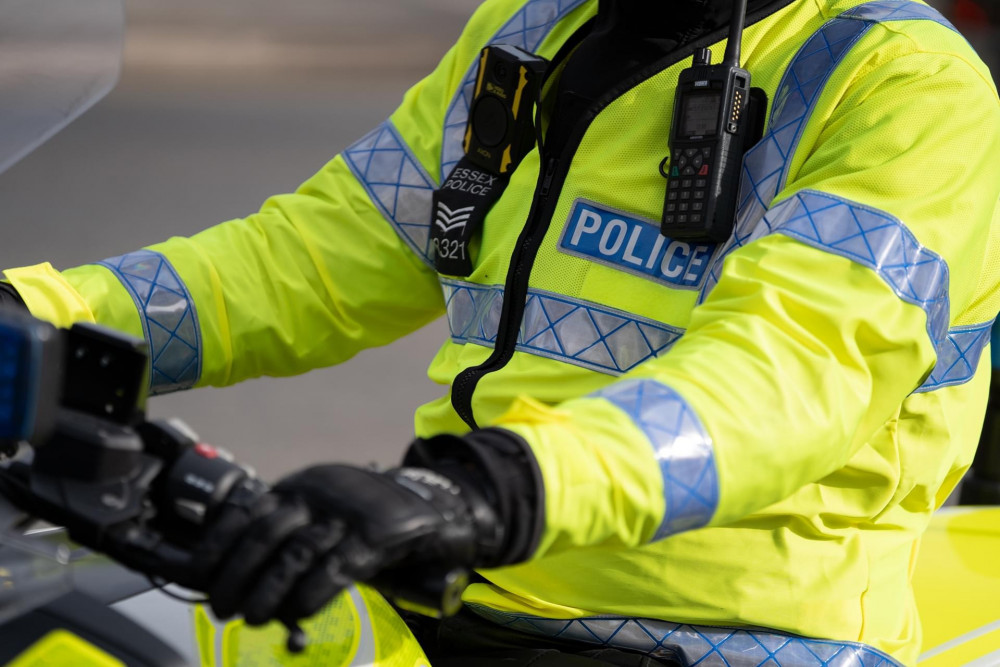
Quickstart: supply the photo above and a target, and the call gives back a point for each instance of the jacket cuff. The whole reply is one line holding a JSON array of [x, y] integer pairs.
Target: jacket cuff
[[500, 465]]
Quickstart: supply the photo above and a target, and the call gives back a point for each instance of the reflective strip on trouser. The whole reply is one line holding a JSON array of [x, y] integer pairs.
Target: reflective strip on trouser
[[683, 449], [872, 238], [558, 327], [169, 319], [696, 644]]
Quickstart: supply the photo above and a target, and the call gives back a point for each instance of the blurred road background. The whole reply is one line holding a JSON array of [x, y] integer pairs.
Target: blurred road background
[[221, 104]]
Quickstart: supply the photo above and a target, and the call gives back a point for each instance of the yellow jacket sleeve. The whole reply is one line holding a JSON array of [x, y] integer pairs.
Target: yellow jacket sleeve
[[819, 327]]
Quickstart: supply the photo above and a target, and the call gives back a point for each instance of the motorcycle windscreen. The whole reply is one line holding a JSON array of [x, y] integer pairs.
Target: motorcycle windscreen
[[57, 58]]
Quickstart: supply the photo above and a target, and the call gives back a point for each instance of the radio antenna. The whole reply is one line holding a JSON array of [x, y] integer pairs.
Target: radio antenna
[[732, 57]]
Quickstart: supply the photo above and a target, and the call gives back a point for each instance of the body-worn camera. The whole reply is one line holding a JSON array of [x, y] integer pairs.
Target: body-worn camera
[[501, 127]]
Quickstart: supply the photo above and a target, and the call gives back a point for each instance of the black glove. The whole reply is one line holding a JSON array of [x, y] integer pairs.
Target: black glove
[[460, 502]]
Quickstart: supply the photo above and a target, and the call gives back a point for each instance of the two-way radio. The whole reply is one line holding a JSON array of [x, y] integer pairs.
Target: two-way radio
[[714, 123]]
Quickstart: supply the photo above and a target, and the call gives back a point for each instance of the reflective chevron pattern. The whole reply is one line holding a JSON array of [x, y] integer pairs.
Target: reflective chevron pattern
[[169, 319], [896, 10], [765, 167], [696, 645], [871, 238], [577, 332], [397, 183], [395, 180], [958, 356]]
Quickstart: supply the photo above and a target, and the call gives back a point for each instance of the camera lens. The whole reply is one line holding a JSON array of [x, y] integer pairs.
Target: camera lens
[[500, 71], [489, 121]]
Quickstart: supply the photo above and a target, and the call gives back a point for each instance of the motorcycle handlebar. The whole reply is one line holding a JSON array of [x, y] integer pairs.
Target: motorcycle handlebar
[[141, 491]]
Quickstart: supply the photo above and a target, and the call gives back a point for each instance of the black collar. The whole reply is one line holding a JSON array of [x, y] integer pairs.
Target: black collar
[[677, 20]]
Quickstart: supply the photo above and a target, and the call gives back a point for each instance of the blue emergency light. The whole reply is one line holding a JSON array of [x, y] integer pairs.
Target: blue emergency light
[[30, 358]]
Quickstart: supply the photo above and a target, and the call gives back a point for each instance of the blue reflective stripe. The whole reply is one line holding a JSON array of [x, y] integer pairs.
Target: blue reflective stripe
[[526, 29], [696, 644], [397, 183], [896, 10], [683, 449], [558, 327], [958, 356], [168, 315]]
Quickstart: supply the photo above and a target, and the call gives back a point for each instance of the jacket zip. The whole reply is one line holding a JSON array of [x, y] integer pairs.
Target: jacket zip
[[550, 182]]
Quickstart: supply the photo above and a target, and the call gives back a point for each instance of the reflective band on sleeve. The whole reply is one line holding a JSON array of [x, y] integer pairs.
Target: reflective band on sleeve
[[683, 449], [696, 644], [526, 29], [397, 183], [168, 315], [558, 327]]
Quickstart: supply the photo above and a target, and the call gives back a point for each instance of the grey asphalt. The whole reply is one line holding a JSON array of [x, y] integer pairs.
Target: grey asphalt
[[220, 105]]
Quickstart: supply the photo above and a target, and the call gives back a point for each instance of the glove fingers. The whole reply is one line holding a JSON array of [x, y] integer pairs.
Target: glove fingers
[[351, 561], [299, 553], [225, 531], [261, 540]]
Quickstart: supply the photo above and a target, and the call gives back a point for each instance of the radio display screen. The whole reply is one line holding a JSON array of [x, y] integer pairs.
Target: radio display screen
[[700, 114]]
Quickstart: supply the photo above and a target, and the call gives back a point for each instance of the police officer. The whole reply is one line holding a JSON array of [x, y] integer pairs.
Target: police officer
[[652, 446]]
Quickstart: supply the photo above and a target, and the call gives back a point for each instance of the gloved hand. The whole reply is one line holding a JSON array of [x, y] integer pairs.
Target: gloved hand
[[472, 502]]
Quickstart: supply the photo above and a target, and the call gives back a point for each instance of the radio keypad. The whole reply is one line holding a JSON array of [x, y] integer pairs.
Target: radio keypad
[[687, 186]]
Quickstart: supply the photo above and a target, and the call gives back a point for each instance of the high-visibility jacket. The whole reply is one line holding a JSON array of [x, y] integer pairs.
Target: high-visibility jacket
[[751, 434]]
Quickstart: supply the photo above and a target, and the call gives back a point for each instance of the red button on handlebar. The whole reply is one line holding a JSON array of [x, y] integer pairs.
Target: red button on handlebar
[[208, 451]]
